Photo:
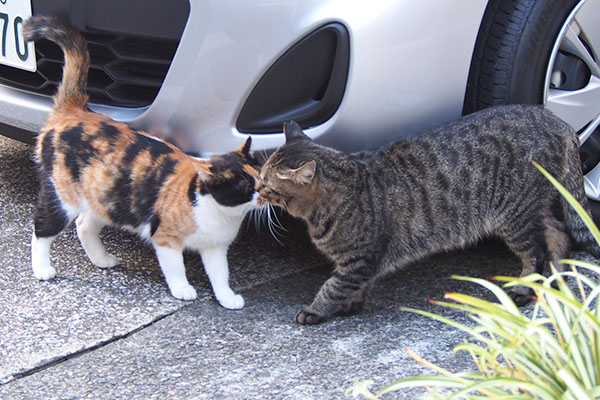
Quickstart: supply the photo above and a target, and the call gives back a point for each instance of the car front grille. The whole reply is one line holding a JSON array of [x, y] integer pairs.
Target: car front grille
[[125, 71]]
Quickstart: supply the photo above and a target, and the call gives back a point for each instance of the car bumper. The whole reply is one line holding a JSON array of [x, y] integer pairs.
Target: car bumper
[[408, 71]]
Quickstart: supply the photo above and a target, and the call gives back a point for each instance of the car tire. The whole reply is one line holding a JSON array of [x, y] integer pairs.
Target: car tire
[[543, 52], [512, 51]]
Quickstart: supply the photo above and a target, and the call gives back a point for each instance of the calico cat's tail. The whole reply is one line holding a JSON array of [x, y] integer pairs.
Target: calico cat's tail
[[72, 90]]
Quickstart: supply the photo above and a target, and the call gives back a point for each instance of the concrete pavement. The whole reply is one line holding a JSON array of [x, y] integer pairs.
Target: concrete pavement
[[115, 334]]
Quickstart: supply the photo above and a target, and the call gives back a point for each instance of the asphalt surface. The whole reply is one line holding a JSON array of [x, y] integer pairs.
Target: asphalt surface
[[113, 334]]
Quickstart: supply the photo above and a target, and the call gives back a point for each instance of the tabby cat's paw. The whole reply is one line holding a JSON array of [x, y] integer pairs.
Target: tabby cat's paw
[[351, 308], [234, 302], [186, 292], [107, 261], [44, 273], [306, 317], [520, 295]]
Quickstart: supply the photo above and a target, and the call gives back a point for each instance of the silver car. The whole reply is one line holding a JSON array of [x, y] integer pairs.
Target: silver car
[[355, 74]]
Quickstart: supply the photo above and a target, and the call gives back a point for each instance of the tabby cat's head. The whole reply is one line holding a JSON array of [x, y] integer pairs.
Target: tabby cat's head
[[232, 177], [289, 177]]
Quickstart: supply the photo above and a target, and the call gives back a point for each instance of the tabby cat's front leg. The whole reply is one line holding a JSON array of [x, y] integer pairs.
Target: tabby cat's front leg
[[343, 293]]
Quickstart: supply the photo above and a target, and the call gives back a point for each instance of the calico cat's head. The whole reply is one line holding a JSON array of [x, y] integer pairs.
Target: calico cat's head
[[232, 178], [289, 177]]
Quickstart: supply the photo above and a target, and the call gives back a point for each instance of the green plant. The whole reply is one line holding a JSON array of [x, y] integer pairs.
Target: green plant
[[552, 354]]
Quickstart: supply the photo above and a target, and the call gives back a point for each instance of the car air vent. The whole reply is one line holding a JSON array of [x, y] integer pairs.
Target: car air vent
[[124, 71], [305, 84]]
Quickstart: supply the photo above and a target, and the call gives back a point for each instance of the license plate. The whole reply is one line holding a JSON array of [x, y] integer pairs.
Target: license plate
[[13, 49]]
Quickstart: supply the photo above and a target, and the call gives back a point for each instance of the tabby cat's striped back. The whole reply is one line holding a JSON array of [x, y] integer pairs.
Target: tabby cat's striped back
[[372, 213]]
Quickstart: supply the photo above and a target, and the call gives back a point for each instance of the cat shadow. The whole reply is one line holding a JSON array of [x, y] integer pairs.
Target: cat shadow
[[259, 254], [414, 286], [256, 249], [255, 257], [433, 277], [18, 172]]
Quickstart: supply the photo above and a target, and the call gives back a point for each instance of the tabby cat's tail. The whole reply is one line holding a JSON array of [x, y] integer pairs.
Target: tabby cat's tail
[[72, 89]]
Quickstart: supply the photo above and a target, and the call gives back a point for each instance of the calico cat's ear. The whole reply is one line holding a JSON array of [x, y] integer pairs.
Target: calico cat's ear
[[302, 175], [245, 148], [293, 131], [203, 169]]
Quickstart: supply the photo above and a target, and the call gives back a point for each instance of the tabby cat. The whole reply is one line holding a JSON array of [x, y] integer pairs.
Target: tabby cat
[[375, 212], [101, 172]]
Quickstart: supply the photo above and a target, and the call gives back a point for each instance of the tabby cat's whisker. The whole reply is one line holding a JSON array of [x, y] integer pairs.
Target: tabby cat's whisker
[[251, 217], [256, 215], [272, 225], [275, 219], [264, 154]]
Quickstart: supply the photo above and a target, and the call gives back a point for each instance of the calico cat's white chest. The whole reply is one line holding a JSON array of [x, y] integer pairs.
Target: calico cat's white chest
[[216, 224]]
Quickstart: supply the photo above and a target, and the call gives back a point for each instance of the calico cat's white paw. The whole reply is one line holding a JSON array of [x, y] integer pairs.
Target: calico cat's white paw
[[108, 261], [234, 302], [44, 273], [186, 292]]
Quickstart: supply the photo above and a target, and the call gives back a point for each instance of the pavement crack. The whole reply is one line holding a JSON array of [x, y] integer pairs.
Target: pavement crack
[[59, 360]]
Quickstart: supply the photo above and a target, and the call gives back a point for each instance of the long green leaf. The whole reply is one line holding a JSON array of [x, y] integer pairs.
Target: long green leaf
[[420, 381], [506, 345], [504, 383], [574, 386], [573, 304], [582, 264], [500, 294], [587, 220]]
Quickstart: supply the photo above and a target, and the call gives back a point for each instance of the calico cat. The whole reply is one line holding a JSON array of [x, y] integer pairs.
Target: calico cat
[[102, 172], [375, 212]]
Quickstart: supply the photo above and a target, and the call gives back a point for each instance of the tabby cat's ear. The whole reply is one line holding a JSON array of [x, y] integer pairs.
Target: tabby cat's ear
[[302, 175], [245, 148], [293, 132]]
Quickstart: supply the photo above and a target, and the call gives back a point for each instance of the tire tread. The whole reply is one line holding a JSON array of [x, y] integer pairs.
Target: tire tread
[[513, 45]]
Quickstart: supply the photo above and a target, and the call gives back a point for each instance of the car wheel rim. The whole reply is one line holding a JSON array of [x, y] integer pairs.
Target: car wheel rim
[[572, 87]]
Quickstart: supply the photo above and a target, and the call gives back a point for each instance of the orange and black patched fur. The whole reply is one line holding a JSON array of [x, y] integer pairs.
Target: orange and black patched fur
[[101, 172]]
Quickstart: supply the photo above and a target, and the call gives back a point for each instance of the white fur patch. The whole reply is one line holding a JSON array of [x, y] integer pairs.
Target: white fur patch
[[40, 258], [171, 264]]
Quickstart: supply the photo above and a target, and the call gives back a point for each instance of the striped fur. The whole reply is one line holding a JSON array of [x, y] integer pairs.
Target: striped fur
[[376, 212], [101, 172]]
